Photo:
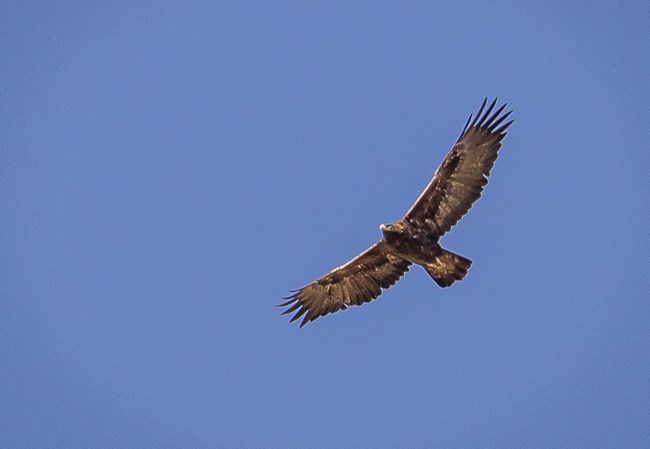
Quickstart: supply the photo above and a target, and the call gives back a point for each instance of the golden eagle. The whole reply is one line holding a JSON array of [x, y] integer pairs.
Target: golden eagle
[[455, 186]]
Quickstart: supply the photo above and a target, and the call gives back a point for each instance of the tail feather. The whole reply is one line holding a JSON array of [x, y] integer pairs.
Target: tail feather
[[448, 268]]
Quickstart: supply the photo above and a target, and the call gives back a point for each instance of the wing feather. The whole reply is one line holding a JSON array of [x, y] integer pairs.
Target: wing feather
[[359, 281], [463, 174]]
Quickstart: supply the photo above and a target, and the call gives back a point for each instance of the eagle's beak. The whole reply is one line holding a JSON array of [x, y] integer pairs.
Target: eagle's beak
[[383, 227]]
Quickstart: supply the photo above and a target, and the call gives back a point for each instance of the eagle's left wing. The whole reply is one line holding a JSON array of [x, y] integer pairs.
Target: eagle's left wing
[[460, 179], [357, 282]]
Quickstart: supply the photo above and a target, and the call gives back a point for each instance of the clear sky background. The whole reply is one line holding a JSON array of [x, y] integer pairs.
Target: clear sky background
[[170, 170]]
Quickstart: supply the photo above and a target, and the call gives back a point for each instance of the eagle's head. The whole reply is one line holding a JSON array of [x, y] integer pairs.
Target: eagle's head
[[392, 231]]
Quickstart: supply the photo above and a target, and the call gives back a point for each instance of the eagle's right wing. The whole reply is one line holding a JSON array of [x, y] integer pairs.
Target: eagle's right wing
[[357, 282]]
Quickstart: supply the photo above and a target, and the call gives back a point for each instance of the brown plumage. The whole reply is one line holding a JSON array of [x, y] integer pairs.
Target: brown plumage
[[455, 186]]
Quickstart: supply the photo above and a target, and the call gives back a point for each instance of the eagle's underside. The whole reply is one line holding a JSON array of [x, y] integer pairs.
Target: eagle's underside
[[455, 186]]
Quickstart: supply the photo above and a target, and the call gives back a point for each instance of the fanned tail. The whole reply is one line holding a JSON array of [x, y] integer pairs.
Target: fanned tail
[[448, 268]]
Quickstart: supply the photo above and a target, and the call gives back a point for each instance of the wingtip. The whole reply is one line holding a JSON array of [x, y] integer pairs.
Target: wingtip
[[487, 113], [489, 122], [290, 299], [290, 306], [466, 126], [298, 314], [480, 111], [503, 128]]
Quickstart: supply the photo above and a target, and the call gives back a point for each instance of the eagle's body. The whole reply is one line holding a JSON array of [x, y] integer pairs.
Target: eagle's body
[[417, 246], [457, 183], [411, 242]]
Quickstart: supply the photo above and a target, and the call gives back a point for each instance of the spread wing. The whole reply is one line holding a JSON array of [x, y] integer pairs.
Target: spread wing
[[357, 282], [460, 179]]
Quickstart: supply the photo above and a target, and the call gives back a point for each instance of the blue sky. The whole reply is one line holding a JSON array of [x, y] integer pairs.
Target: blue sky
[[169, 171]]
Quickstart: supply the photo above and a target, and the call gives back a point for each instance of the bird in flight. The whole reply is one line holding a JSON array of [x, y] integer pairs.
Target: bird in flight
[[455, 186]]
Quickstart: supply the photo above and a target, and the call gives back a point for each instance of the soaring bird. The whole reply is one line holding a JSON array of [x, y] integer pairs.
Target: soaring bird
[[455, 186]]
